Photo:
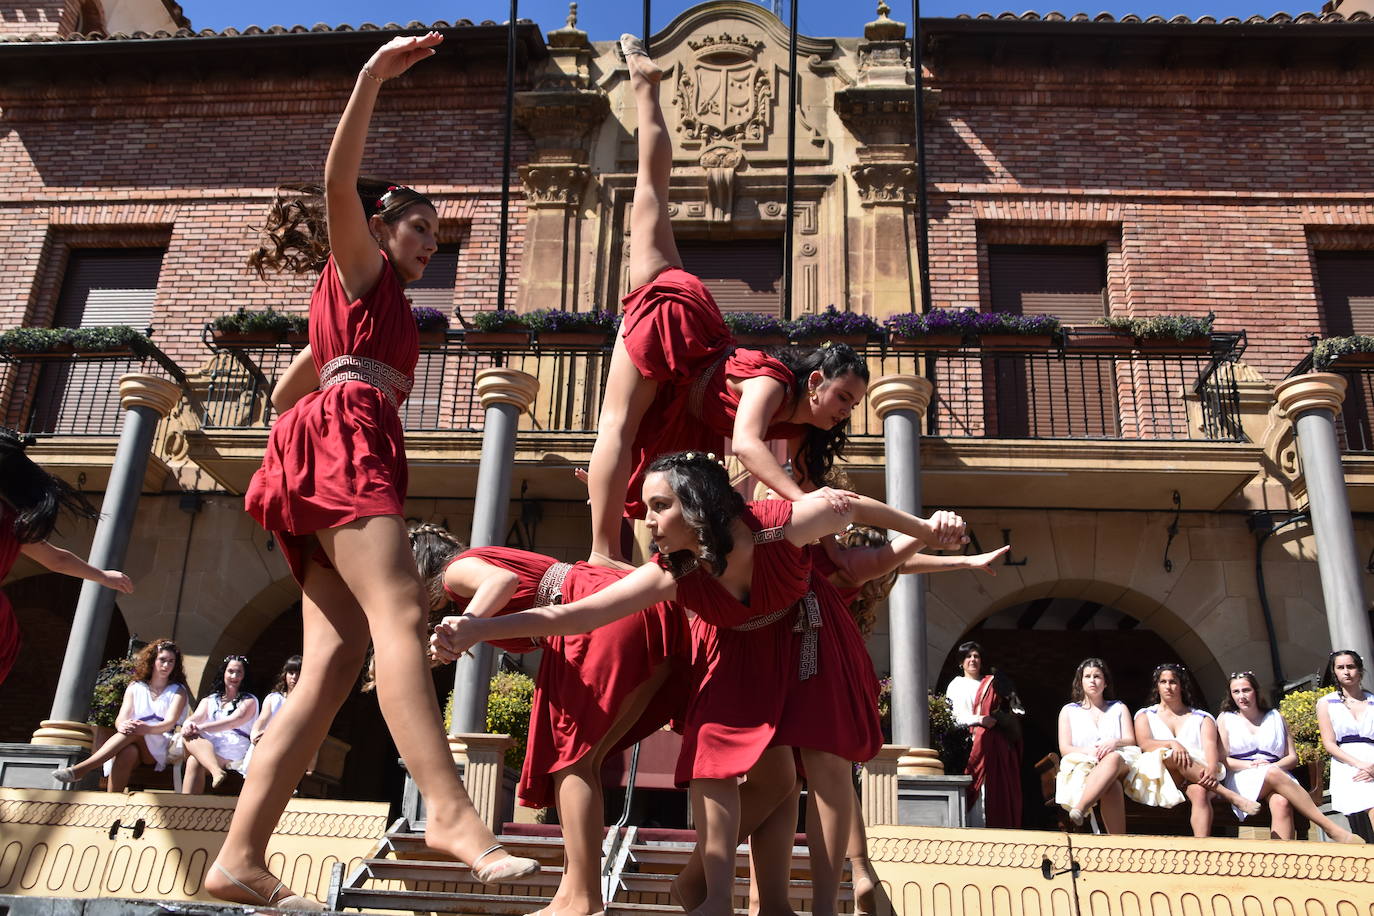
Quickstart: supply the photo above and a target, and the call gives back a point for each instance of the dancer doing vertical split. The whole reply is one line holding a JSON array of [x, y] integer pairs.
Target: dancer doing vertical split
[[784, 666], [331, 489], [674, 361], [596, 693]]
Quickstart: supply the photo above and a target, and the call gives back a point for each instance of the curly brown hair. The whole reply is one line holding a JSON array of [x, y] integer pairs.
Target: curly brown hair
[[864, 608], [143, 662], [298, 233]]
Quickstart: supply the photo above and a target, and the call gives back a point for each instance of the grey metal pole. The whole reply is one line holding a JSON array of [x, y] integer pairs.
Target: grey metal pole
[[505, 394], [147, 399]]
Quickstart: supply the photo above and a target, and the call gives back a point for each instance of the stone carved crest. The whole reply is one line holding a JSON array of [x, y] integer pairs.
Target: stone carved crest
[[724, 94]]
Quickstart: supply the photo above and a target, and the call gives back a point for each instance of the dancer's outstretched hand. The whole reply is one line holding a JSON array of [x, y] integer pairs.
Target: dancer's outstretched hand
[[452, 637], [399, 54], [950, 531], [118, 581], [984, 562]]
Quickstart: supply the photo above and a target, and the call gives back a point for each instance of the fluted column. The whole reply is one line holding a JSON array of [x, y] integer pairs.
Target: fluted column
[[147, 399], [505, 394], [1310, 402], [901, 401]]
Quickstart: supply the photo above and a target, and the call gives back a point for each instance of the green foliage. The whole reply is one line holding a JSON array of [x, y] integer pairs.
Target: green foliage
[[102, 339], [1330, 350], [1299, 710], [110, 683], [553, 321], [498, 321], [260, 321], [1160, 327], [940, 711], [509, 700]]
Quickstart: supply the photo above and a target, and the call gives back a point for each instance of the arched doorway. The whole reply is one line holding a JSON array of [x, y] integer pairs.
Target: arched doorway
[[1039, 644], [45, 605]]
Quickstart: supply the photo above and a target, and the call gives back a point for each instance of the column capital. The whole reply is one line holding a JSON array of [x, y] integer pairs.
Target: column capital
[[137, 389], [506, 386], [900, 392], [1315, 390]]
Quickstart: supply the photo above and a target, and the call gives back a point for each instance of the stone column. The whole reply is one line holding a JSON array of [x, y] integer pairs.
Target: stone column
[[505, 395], [1310, 402], [147, 399], [901, 401]]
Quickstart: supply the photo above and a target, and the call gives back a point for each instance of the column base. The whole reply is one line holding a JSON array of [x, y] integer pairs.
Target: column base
[[920, 761], [28, 766], [480, 759], [61, 733], [878, 786], [933, 801]]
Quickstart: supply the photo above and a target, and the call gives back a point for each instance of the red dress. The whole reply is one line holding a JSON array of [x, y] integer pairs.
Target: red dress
[[584, 678], [9, 624], [789, 668], [338, 455], [675, 336]]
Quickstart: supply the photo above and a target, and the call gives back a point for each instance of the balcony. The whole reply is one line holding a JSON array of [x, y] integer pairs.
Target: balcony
[[1005, 428], [1354, 428]]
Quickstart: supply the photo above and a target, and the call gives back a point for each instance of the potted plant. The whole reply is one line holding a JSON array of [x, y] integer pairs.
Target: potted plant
[[937, 329], [298, 329], [1343, 353], [1008, 331], [431, 324], [1110, 334], [247, 327], [1299, 710], [560, 329], [106, 340], [498, 330], [833, 325], [1173, 333], [110, 683], [756, 329]]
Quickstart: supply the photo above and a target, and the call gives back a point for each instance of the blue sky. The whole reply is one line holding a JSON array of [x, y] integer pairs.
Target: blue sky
[[606, 20]]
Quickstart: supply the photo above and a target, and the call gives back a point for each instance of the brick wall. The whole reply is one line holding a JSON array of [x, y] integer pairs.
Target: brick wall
[[38, 17]]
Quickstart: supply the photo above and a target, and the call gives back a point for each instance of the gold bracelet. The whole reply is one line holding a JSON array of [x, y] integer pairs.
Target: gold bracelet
[[372, 76]]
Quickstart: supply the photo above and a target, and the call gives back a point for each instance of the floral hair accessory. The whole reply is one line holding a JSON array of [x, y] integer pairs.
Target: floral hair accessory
[[381, 201]]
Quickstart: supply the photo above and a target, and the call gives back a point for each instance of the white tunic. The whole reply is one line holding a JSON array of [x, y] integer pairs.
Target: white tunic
[[148, 708], [1144, 786], [1268, 741], [961, 693], [1189, 733], [271, 705], [1356, 738], [230, 744]]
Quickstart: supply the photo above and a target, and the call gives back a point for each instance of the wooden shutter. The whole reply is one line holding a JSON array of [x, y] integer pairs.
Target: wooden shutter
[[435, 289], [1345, 280], [1043, 398], [101, 286], [744, 275]]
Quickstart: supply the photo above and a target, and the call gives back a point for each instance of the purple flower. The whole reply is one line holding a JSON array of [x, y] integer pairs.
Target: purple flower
[[832, 321], [757, 323], [552, 321], [428, 319]]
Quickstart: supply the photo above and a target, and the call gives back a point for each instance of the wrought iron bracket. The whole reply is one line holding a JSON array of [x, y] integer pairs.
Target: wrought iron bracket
[[1173, 532]]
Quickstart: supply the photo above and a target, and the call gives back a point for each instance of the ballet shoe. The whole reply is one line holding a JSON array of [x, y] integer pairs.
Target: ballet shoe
[[503, 870], [1352, 839], [1251, 807], [289, 902], [1077, 817], [630, 46], [66, 774]]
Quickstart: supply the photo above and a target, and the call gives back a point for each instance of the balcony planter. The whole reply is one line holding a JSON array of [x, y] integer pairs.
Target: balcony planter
[[255, 327], [573, 340], [1182, 334], [496, 340], [1355, 352], [433, 339], [1015, 342], [937, 329], [1098, 340], [927, 342], [756, 330], [817, 340], [62, 343], [760, 341], [245, 338], [431, 324], [557, 329], [1165, 345], [835, 326]]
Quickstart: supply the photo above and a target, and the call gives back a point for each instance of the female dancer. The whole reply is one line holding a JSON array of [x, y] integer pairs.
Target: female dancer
[[1346, 720], [595, 694], [674, 361], [1191, 745], [272, 704], [1259, 754], [332, 487], [154, 704], [766, 688], [218, 733], [30, 501], [1096, 748]]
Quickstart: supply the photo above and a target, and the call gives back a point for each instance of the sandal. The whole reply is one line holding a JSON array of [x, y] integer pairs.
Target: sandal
[[66, 774], [629, 44], [503, 870], [289, 902]]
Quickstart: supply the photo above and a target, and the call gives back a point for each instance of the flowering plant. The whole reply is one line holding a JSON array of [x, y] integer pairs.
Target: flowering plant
[[429, 319], [1023, 325], [1160, 327], [496, 321], [831, 321], [960, 322], [552, 321], [757, 323]]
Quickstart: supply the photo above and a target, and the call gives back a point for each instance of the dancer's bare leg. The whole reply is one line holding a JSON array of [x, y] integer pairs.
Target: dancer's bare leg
[[716, 812], [628, 394], [581, 809], [1278, 783], [870, 898], [770, 859], [830, 786], [769, 781]]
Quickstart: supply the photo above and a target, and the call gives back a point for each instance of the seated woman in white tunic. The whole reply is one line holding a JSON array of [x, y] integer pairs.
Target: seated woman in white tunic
[[1187, 741], [272, 704], [155, 703], [1096, 748], [1346, 719], [1259, 754], [217, 734]]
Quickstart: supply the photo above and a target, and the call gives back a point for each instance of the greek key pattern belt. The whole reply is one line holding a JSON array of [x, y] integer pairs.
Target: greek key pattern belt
[[551, 586], [392, 384], [807, 623], [696, 396]]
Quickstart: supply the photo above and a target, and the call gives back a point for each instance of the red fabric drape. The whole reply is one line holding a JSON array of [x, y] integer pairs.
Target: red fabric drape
[[995, 761]]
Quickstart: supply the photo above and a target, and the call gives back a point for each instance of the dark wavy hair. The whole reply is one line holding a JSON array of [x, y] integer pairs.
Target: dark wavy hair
[[820, 447], [298, 234], [36, 497], [1329, 672], [291, 666], [1076, 690], [217, 688], [1261, 701], [1185, 683], [434, 547], [143, 662], [864, 606], [709, 505]]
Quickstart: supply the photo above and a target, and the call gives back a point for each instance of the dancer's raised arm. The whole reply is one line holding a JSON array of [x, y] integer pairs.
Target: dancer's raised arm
[[813, 520]]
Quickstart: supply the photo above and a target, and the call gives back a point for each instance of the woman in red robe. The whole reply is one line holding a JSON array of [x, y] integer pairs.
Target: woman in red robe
[[995, 759]]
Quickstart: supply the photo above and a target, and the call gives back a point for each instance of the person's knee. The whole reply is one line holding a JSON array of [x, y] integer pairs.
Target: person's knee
[[1280, 806]]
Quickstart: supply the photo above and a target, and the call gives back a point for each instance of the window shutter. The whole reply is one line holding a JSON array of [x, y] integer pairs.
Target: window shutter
[[1345, 280], [435, 289], [743, 275]]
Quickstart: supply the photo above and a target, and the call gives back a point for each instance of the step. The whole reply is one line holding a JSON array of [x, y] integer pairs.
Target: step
[[492, 904]]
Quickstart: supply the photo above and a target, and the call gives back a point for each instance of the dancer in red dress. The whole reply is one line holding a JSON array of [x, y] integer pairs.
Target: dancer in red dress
[[742, 569], [331, 489], [30, 501], [596, 693], [674, 361]]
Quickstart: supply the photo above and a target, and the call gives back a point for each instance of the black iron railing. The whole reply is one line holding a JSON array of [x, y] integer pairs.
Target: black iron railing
[[1042, 394], [1355, 420]]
